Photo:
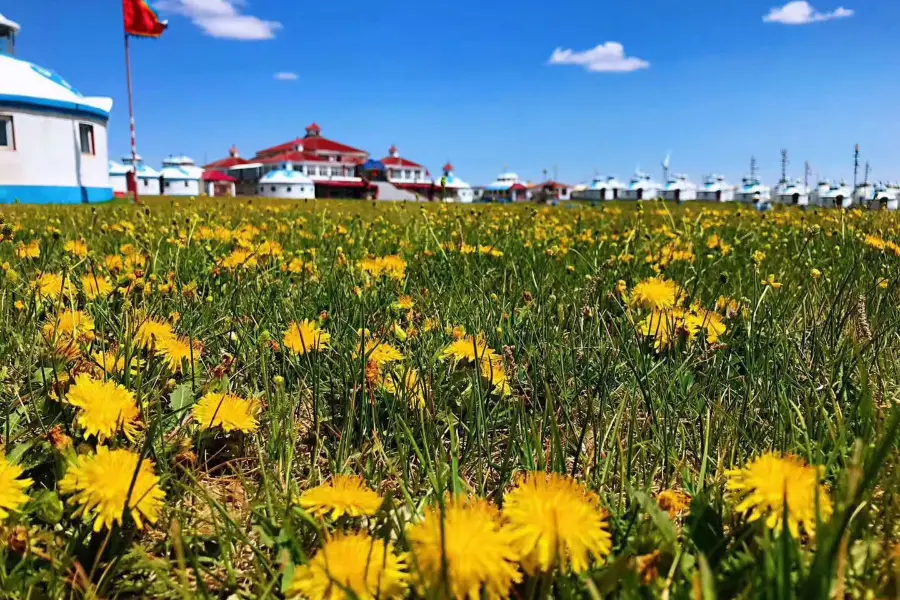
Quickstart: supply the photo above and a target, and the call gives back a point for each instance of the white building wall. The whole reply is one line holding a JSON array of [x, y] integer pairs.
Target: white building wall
[[48, 153], [119, 183], [298, 191], [148, 186], [181, 187]]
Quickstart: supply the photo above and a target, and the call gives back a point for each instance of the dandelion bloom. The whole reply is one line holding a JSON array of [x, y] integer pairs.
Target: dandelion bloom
[[226, 411], [176, 350], [765, 484], [101, 482], [96, 287], [469, 348], [105, 406], [152, 332], [403, 303], [342, 495], [556, 521], [51, 286], [410, 385], [32, 250], [673, 502], [380, 353], [352, 566], [662, 326], [76, 247], [657, 293], [113, 363], [306, 336], [470, 542], [73, 325], [12, 489]]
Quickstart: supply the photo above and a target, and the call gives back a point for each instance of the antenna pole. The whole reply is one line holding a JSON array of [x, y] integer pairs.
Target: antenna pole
[[806, 173], [784, 165], [855, 164], [866, 179], [753, 168]]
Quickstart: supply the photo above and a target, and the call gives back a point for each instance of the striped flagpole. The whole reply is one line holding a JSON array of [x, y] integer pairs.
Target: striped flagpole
[[134, 162]]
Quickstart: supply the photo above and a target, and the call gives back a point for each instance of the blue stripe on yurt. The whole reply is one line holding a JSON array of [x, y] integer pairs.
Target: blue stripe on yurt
[[47, 104], [49, 194]]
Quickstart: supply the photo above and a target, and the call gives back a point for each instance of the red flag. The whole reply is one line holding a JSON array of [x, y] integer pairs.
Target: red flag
[[141, 21]]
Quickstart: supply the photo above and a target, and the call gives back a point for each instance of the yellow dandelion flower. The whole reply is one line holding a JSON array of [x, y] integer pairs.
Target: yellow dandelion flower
[[113, 363], [30, 250], [240, 258], [12, 489], [96, 287], [70, 325], [662, 326], [105, 407], [770, 281], [152, 332], [657, 293], [113, 263], [765, 484], [76, 247], [341, 495], [379, 352], [470, 349], [226, 411], [673, 502], [556, 522], [466, 542], [306, 336], [101, 482], [411, 386], [51, 286], [403, 303], [176, 350], [352, 566]]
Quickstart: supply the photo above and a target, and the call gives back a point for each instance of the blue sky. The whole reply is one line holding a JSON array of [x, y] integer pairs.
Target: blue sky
[[472, 81]]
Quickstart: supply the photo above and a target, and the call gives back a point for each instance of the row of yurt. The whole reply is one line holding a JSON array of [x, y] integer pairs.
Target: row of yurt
[[179, 176], [53, 139]]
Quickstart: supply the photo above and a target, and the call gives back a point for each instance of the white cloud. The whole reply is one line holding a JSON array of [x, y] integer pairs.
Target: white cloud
[[605, 58], [222, 19], [801, 12], [286, 76]]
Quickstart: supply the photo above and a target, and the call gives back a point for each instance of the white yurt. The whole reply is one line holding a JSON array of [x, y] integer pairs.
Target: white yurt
[[792, 193], [817, 194], [147, 181], [118, 178], [454, 188], [679, 188], [641, 187], [752, 190], [180, 177], [715, 189], [604, 188], [839, 195], [885, 196], [53, 140], [287, 183]]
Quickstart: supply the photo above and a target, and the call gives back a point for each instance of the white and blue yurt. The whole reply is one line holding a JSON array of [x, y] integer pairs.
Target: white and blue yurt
[[679, 189], [715, 189], [641, 187], [118, 178], [604, 188], [180, 177], [454, 188], [147, 176], [53, 140], [752, 191], [287, 183], [792, 192], [839, 195]]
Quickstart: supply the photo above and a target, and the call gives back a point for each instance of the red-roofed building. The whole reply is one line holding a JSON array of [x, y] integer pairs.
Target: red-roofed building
[[223, 164], [406, 174], [551, 191], [331, 165]]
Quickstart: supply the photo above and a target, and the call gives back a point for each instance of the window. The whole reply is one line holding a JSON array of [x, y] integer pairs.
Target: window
[[146, 183], [7, 137], [289, 188], [273, 188], [86, 138], [406, 174], [185, 184], [262, 189], [335, 171], [168, 184]]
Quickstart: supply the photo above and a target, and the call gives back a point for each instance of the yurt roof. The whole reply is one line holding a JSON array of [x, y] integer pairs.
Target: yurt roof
[[23, 83]]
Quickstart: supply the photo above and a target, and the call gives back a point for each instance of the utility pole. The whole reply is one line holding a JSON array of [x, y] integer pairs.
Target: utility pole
[[753, 169], [806, 173], [855, 165]]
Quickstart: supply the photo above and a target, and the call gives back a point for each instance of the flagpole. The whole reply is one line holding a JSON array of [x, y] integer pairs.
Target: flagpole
[[134, 163]]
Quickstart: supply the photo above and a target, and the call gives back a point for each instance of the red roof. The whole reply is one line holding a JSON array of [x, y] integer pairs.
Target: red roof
[[312, 144], [518, 187], [396, 161], [554, 185], [314, 127], [448, 167], [227, 163], [218, 176]]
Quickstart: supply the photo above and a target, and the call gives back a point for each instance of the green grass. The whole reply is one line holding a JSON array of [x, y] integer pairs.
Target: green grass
[[810, 368]]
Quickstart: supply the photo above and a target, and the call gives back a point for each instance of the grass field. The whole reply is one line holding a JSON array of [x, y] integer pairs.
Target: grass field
[[255, 399]]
